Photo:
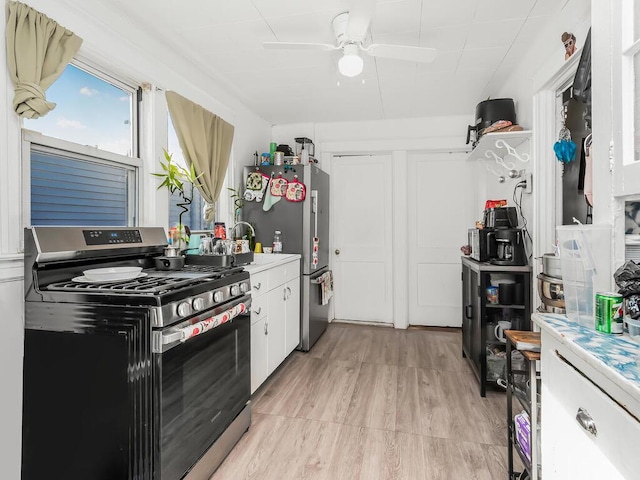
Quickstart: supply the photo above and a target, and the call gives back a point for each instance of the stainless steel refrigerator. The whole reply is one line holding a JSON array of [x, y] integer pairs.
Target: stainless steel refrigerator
[[299, 223]]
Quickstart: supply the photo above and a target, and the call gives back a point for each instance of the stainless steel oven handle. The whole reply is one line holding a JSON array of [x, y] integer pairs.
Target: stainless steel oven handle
[[172, 337]]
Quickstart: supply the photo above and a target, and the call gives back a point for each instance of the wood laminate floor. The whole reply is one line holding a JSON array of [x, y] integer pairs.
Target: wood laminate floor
[[373, 403]]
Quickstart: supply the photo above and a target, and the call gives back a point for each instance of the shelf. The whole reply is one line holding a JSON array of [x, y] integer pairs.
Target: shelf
[[499, 305], [488, 142]]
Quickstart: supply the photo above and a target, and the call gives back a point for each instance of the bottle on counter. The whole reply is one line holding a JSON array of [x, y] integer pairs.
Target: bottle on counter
[[277, 242]]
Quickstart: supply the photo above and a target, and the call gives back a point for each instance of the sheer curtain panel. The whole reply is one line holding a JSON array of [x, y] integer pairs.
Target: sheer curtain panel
[[38, 50]]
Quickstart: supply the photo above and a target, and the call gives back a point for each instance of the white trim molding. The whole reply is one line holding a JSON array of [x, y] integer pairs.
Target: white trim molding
[[11, 268]]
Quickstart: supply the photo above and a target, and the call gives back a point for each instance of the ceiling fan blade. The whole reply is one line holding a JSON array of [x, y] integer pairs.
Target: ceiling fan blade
[[360, 15], [298, 46], [402, 52]]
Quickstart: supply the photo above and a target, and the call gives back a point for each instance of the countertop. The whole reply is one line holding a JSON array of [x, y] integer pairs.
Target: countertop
[[614, 358], [490, 267], [265, 261]]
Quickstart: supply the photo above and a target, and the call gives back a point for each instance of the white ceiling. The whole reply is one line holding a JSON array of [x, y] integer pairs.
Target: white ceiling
[[478, 43]]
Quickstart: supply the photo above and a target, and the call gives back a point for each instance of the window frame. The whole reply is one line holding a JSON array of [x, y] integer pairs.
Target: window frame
[[37, 141]]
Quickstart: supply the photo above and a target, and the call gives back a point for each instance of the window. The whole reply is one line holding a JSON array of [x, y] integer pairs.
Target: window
[[91, 109], [83, 167], [72, 189], [194, 217]]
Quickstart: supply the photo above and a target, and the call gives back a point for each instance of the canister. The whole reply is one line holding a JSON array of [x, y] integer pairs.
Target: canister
[[609, 312], [278, 159]]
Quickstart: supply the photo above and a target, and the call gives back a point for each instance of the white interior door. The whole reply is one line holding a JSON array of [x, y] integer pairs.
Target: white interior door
[[362, 223], [440, 212]]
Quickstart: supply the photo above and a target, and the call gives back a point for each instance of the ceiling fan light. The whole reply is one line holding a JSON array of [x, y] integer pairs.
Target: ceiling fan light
[[350, 64]]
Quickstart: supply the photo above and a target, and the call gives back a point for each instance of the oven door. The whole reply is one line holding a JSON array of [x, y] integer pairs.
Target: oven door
[[203, 381]]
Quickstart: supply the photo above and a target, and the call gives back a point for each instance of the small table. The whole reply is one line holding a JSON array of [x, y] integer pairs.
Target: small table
[[528, 344]]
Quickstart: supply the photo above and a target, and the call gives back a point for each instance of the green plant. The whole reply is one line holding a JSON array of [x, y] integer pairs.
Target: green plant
[[176, 178], [238, 203]]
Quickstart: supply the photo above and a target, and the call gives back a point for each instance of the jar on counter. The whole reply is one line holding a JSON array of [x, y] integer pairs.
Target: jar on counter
[[277, 242]]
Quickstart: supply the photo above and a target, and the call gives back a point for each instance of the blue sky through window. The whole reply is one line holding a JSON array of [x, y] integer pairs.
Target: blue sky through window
[[89, 111]]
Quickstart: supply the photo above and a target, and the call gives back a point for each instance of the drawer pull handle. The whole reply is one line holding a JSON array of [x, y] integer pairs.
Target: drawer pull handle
[[258, 310], [257, 286], [586, 422], [266, 328]]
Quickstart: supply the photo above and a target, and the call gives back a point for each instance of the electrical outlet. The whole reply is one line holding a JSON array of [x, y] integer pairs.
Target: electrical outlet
[[529, 179]]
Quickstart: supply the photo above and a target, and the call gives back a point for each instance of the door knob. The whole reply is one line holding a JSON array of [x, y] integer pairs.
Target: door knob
[[337, 251]]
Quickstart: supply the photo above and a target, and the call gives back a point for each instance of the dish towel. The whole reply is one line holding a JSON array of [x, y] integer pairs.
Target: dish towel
[[326, 286]]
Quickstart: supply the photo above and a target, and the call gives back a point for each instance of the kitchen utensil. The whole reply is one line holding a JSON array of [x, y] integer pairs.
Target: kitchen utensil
[[551, 265], [500, 328], [111, 274], [171, 251], [489, 112], [83, 279], [169, 263], [551, 291], [506, 293]]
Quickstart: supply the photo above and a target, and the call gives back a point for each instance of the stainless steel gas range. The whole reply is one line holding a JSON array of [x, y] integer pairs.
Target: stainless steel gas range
[[146, 377]]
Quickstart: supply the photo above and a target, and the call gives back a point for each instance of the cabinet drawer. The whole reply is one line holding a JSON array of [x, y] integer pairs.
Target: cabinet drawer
[[616, 439], [258, 307], [283, 273], [259, 283]]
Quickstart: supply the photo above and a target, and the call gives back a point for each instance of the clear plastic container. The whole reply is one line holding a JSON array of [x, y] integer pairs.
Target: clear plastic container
[[277, 242], [585, 257]]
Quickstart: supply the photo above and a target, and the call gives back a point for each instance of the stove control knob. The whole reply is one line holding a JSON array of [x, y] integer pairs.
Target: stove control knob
[[235, 290], [184, 309], [198, 303], [244, 287], [218, 296]]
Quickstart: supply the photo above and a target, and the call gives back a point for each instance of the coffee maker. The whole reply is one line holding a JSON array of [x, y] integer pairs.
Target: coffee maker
[[509, 246]]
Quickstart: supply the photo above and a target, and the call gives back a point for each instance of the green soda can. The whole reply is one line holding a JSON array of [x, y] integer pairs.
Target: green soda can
[[609, 312]]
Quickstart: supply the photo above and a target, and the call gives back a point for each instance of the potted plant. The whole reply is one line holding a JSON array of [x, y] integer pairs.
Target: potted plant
[[178, 179]]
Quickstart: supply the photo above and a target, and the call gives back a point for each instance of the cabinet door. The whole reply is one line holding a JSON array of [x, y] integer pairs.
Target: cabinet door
[[276, 327], [468, 292], [568, 449], [292, 315], [259, 353]]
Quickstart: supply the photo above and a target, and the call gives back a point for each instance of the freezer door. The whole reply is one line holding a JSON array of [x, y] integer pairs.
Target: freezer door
[[315, 316]]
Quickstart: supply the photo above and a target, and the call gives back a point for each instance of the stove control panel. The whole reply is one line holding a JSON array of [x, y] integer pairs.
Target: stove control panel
[[111, 237]]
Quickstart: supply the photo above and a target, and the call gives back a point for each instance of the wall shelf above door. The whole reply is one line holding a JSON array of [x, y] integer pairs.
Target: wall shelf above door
[[489, 140]]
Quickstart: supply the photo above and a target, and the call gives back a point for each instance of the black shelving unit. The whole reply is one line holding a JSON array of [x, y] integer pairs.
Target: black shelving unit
[[523, 388], [478, 313]]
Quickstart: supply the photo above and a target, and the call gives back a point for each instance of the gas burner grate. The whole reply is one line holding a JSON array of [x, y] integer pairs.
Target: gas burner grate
[[153, 284], [216, 271], [148, 285]]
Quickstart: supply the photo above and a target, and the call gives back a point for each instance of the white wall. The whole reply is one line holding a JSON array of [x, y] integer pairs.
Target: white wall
[[115, 44]]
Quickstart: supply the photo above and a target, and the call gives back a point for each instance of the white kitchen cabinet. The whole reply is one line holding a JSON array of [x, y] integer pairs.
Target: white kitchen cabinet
[[259, 353], [275, 315], [589, 426], [292, 314], [276, 328]]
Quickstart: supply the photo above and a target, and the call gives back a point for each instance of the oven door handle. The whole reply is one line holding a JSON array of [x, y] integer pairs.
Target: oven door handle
[[188, 332]]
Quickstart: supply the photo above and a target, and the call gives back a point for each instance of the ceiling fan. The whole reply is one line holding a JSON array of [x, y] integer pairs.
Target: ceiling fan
[[350, 29]]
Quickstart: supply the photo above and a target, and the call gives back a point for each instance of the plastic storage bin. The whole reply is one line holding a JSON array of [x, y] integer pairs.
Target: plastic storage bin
[[585, 258], [634, 328]]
